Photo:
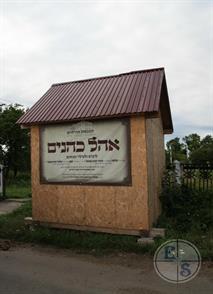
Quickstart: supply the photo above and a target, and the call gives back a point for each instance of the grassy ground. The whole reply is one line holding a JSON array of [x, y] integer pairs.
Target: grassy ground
[[12, 227], [18, 191], [19, 187], [187, 215]]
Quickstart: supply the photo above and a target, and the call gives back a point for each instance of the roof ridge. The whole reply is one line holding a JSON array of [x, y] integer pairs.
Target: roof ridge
[[110, 76]]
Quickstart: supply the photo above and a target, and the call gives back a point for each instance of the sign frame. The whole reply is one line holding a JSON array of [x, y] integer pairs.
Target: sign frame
[[126, 182]]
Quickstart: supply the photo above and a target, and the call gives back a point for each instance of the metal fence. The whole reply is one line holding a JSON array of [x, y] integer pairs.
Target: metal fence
[[194, 176]]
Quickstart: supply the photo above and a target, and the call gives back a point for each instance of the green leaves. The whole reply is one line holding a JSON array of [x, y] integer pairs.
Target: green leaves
[[186, 209], [14, 141], [190, 148]]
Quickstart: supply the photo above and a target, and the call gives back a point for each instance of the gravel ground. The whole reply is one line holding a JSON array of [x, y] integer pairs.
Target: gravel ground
[[43, 270]]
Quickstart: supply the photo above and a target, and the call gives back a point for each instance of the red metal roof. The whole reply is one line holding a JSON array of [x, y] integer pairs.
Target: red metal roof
[[112, 96]]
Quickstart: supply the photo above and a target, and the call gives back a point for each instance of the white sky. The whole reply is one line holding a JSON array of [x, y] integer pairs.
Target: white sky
[[45, 42]]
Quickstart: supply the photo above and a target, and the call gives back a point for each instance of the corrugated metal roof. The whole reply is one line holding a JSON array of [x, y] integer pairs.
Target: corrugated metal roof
[[112, 96]]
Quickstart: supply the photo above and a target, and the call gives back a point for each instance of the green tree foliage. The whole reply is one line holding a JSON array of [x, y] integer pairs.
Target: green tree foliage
[[192, 142], [203, 154], [14, 141], [1, 154], [207, 141], [176, 150], [193, 149]]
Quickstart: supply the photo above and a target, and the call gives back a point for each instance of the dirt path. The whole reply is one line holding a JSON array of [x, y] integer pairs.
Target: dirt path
[[42, 270], [8, 206]]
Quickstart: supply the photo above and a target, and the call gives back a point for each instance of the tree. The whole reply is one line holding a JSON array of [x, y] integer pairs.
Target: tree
[[192, 142], [199, 150], [14, 141], [207, 141], [204, 154], [176, 150]]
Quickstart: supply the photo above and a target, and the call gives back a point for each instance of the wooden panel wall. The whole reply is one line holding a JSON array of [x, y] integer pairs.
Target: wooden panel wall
[[100, 206], [156, 165]]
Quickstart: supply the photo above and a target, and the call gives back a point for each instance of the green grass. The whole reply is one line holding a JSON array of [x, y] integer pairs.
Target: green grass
[[203, 241], [12, 227], [18, 187], [18, 191]]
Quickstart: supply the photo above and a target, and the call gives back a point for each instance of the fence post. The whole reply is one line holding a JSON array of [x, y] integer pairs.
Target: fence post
[[178, 174]]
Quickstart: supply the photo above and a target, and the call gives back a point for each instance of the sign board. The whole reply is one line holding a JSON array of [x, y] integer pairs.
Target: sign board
[[1, 178], [86, 152]]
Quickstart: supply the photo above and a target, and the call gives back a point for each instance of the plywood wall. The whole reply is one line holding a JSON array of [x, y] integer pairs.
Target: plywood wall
[[155, 164], [97, 206]]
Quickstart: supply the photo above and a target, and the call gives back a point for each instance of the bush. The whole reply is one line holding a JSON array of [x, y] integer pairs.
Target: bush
[[21, 179], [185, 209]]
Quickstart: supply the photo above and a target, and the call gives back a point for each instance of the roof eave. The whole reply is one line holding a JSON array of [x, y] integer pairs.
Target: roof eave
[[165, 110]]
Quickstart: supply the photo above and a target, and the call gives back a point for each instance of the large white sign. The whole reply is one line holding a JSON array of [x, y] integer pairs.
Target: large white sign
[[86, 152]]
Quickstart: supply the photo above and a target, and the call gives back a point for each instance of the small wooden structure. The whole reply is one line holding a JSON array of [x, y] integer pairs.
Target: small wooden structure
[[97, 148]]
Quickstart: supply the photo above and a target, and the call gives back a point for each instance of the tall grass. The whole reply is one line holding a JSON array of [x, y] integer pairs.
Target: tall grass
[[18, 187]]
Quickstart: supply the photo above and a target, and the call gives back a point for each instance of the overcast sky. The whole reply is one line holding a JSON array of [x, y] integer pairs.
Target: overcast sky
[[45, 42]]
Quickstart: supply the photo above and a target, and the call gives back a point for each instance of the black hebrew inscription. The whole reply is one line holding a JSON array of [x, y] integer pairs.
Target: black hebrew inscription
[[79, 146]]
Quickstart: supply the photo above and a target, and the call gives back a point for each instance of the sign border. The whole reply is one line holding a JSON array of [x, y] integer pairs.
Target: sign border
[[126, 182]]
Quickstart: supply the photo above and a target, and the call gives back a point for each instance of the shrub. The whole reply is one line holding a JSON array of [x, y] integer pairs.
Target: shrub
[[185, 209]]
